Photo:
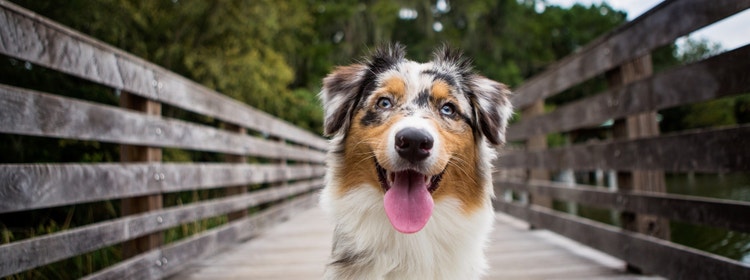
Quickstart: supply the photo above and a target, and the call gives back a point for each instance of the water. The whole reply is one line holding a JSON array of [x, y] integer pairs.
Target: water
[[732, 186]]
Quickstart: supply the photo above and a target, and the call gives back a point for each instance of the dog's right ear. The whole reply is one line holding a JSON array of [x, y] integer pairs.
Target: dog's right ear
[[339, 96]]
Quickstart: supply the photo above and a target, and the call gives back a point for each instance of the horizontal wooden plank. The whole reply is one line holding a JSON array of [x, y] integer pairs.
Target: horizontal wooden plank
[[33, 186], [658, 27], [28, 36], [716, 77], [29, 112], [295, 249], [720, 213], [708, 150], [161, 263], [653, 255], [19, 256]]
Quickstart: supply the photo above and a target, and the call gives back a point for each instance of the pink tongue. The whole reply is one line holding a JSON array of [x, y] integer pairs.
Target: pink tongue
[[408, 203]]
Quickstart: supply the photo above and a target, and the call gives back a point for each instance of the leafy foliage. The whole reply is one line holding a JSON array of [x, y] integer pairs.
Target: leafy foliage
[[273, 54]]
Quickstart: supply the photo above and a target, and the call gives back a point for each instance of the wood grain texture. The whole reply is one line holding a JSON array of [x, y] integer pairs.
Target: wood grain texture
[[654, 255], [33, 186], [30, 37], [140, 204], [296, 249], [241, 189], [642, 125], [716, 77], [178, 256], [657, 27], [719, 213], [708, 150], [300, 249], [33, 113], [536, 143], [53, 247]]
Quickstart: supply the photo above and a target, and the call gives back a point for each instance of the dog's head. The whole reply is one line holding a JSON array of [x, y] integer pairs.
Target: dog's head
[[414, 130]]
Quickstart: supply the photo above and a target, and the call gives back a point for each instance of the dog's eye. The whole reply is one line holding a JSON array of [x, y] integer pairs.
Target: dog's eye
[[385, 103], [448, 109]]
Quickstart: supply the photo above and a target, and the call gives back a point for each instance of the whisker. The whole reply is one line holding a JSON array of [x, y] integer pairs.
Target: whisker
[[462, 165]]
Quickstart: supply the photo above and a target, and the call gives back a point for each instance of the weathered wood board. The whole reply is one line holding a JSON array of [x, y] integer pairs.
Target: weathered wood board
[[299, 249]]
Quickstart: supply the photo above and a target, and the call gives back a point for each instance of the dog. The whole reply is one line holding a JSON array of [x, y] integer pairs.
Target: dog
[[408, 182]]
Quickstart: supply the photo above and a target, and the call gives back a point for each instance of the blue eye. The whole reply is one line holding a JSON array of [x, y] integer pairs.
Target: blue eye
[[448, 109], [385, 103]]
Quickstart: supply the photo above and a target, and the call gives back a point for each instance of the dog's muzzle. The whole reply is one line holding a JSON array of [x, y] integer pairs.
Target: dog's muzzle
[[408, 199]]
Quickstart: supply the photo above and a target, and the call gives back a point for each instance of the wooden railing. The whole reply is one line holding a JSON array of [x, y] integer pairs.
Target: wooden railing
[[635, 150], [294, 169]]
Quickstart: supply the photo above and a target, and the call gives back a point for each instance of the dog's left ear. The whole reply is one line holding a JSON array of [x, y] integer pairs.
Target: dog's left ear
[[341, 89], [339, 95], [492, 106]]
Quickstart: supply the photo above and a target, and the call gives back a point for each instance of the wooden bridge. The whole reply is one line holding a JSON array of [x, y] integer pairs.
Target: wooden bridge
[[270, 226]]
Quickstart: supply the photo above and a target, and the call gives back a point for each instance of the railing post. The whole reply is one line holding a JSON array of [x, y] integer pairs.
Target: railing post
[[235, 190], [131, 153], [536, 143], [634, 127], [282, 163]]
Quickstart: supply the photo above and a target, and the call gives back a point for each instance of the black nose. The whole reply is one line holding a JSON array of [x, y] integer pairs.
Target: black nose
[[413, 144]]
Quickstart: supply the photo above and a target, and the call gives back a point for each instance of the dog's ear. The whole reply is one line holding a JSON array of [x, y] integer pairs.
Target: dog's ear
[[339, 95], [492, 106], [490, 99], [343, 88]]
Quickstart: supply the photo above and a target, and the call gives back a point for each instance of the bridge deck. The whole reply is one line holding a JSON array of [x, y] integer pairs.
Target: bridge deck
[[298, 249]]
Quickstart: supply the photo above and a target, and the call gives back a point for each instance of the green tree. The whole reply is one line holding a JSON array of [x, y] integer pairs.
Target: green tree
[[725, 111], [239, 48]]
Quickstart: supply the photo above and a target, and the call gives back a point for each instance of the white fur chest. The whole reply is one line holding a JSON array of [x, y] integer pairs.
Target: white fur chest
[[449, 247]]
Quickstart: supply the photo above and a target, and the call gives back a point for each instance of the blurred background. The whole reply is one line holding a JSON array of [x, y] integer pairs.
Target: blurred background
[[273, 54]]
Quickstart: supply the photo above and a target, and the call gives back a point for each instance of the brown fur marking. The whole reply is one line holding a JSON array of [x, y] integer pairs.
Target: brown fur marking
[[441, 90], [461, 180]]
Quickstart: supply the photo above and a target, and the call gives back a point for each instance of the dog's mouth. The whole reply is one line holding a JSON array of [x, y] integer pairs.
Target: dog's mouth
[[387, 178], [408, 197]]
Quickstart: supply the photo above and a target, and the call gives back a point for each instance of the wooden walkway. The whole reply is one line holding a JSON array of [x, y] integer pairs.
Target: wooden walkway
[[299, 249]]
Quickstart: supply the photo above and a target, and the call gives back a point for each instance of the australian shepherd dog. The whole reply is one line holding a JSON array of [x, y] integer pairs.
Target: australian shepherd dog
[[409, 171]]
